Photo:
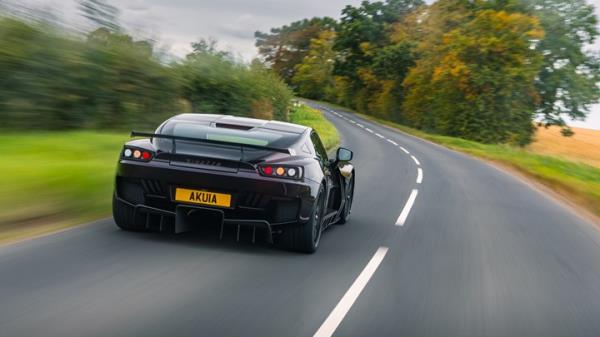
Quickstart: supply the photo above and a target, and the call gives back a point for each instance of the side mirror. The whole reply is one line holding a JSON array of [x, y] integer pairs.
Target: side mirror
[[344, 154]]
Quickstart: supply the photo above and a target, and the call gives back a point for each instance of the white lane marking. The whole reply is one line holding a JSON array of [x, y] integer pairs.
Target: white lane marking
[[341, 309], [405, 150], [380, 136], [353, 122], [419, 175], [406, 211], [392, 142], [416, 160], [360, 125], [371, 131]]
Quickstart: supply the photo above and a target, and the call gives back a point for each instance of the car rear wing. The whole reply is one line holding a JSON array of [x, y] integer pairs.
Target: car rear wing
[[207, 141]]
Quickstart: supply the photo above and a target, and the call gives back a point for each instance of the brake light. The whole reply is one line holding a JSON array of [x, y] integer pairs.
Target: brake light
[[137, 154], [268, 170], [277, 171]]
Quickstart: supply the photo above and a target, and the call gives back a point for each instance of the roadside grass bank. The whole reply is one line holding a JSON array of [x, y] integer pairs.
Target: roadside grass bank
[[308, 116], [578, 182], [56, 180]]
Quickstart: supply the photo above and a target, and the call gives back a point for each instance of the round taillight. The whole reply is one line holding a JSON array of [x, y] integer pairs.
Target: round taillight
[[268, 170], [291, 172], [137, 154], [146, 155], [280, 171], [127, 153]]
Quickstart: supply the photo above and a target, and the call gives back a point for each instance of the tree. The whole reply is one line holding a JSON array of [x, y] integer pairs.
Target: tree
[[283, 48], [365, 54], [313, 77], [363, 29], [479, 82], [569, 76]]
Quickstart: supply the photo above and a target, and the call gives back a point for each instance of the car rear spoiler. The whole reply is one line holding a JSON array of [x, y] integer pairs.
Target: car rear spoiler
[[207, 141]]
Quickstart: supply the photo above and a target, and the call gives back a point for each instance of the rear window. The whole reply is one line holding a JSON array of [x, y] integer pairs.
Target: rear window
[[255, 136]]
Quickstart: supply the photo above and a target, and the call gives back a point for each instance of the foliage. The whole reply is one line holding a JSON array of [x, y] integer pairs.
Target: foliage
[[213, 83], [568, 77], [481, 80], [313, 77], [285, 47], [49, 80], [481, 70]]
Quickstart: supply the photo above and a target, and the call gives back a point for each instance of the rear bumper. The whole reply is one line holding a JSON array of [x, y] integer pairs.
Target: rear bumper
[[256, 201]]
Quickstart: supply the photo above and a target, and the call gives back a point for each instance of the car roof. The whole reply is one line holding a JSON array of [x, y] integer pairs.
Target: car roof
[[254, 123]]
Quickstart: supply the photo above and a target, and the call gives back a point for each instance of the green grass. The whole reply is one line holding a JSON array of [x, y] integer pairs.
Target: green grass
[[53, 180], [578, 182], [308, 116], [57, 178]]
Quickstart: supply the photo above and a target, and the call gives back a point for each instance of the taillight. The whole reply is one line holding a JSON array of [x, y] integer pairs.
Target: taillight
[[281, 171], [137, 154]]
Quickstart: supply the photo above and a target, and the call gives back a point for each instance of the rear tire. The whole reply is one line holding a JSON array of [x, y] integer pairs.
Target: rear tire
[[124, 216], [305, 237]]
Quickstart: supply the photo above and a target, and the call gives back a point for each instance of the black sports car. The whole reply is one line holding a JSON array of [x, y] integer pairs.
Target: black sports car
[[200, 169]]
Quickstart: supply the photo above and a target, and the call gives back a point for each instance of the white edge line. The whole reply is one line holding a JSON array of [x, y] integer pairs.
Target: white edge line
[[405, 150], [416, 160], [419, 175], [341, 309], [406, 211]]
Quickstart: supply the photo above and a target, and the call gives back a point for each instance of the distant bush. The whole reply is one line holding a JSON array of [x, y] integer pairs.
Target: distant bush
[[49, 80], [214, 83]]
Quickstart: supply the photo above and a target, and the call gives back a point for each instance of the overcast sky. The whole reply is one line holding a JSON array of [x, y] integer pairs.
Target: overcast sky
[[177, 23]]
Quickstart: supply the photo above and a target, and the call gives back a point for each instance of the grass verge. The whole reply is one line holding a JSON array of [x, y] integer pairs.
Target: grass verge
[[55, 180], [313, 118], [578, 182]]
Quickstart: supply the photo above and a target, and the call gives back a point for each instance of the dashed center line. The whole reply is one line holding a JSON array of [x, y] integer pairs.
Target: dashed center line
[[371, 131], [341, 309], [380, 136], [406, 211], [419, 175], [405, 150], [360, 125], [416, 160], [392, 142]]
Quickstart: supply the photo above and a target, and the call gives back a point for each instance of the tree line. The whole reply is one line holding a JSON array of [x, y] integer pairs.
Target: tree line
[[482, 70], [52, 78]]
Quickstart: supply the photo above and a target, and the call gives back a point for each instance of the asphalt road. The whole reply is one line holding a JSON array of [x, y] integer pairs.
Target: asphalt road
[[477, 253]]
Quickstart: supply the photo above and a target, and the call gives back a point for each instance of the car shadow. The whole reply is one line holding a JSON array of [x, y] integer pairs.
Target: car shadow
[[209, 238]]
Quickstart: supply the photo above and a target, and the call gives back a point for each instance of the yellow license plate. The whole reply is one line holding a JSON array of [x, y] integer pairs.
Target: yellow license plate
[[203, 197]]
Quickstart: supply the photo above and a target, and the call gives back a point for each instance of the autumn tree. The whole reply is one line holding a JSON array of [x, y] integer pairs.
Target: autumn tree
[[369, 66], [480, 82], [285, 47], [313, 77]]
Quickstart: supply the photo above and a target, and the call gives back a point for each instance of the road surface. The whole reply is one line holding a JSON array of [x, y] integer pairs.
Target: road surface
[[439, 244]]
